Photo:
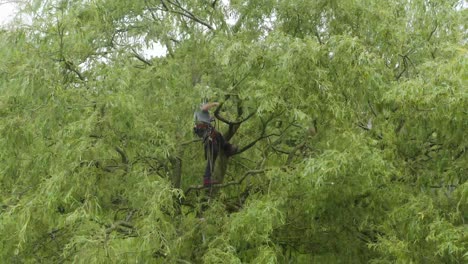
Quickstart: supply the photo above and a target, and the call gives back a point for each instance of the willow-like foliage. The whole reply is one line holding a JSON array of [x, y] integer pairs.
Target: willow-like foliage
[[350, 118]]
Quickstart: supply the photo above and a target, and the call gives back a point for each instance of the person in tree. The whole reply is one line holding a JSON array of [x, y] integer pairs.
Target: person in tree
[[213, 140]]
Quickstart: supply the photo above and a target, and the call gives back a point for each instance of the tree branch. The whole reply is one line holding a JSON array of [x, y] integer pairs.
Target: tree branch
[[218, 186], [251, 144], [293, 152], [318, 37], [233, 125], [404, 67], [262, 135], [122, 154], [140, 58], [227, 122], [122, 227], [69, 66], [372, 108], [433, 31], [186, 13]]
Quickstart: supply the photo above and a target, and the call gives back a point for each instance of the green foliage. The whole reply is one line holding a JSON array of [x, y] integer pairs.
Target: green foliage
[[350, 117]]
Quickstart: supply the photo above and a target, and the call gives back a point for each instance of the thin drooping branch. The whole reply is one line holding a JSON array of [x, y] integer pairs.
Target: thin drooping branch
[[122, 154], [262, 135], [233, 125], [121, 227], [433, 31], [219, 186], [361, 125], [406, 59], [140, 58], [251, 144], [293, 152], [372, 108], [164, 5], [227, 122], [186, 13], [166, 42], [177, 171], [405, 66], [318, 37], [69, 66]]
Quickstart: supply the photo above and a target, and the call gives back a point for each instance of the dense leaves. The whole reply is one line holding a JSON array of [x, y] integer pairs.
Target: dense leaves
[[350, 117]]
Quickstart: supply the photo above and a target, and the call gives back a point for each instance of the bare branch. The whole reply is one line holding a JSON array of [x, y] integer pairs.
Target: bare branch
[[251, 144], [69, 66], [224, 120], [433, 31], [262, 134], [121, 226], [218, 186], [140, 58], [122, 154], [372, 108], [186, 13], [361, 125], [317, 35], [165, 6], [293, 152]]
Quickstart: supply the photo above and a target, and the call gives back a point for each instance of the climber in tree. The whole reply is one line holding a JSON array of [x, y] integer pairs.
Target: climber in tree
[[213, 141]]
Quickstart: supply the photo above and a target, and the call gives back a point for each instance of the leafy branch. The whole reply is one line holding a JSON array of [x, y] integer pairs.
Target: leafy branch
[[218, 186], [262, 134], [231, 123], [140, 58], [123, 227], [180, 10], [406, 59]]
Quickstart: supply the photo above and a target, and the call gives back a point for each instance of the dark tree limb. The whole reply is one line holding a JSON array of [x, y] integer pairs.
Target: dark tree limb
[[372, 108], [251, 144], [361, 125], [186, 13], [227, 122], [458, 155], [262, 134], [233, 126], [140, 58], [293, 152], [406, 59], [280, 150], [405, 67], [122, 154], [70, 67], [168, 46], [121, 227], [166, 8], [218, 186], [433, 31], [318, 37]]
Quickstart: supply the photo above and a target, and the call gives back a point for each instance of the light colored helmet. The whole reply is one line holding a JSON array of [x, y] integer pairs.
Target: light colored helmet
[[202, 116]]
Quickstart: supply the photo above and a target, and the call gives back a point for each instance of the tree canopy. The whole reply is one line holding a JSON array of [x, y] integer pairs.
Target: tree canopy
[[350, 117]]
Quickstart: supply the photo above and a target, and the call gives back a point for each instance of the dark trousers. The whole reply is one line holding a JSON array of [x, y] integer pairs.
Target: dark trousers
[[212, 147]]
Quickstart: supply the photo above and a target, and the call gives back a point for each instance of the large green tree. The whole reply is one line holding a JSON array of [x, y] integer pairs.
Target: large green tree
[[350, 117]]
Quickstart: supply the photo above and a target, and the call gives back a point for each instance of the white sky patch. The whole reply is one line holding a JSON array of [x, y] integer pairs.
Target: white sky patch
[[232, 17], [7, 13], [156, 50]]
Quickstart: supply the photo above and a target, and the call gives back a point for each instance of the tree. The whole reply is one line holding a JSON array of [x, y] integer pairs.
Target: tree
[[350, 117]]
